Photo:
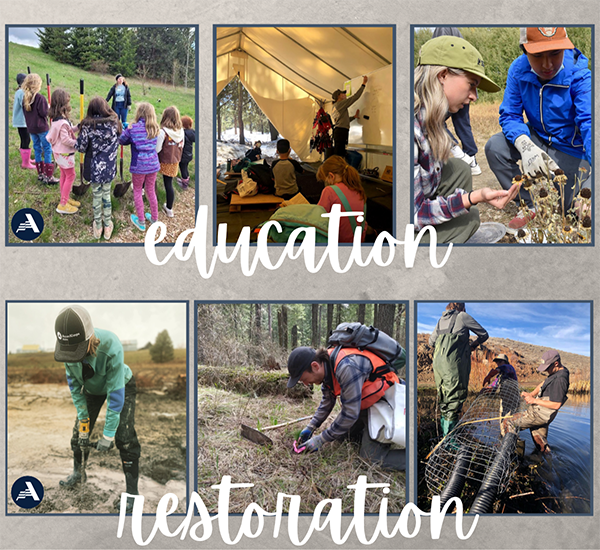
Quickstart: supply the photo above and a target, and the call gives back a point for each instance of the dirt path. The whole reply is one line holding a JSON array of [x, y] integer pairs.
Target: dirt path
[[40, 420]]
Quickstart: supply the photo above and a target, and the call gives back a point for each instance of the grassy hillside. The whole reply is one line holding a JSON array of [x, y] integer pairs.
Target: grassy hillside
[[24, 189]]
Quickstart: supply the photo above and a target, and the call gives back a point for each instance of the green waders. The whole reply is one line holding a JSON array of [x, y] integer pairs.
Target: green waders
[[451, 369]]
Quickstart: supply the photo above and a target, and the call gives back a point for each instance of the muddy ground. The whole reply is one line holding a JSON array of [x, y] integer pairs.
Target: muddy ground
[[40, 422]]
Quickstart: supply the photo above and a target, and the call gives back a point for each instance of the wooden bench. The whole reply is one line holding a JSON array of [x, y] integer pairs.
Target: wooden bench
[[252, 203]]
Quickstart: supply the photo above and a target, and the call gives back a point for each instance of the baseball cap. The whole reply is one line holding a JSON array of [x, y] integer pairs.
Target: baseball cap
[[501, 357], [20, 78], [549, 357], [73, 328], [337, 94], [544, 39], [298, 362], [456, 53]]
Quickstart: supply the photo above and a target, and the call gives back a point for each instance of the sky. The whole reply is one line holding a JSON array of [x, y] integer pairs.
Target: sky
[[565, 326], [33, 323], [24, 35]]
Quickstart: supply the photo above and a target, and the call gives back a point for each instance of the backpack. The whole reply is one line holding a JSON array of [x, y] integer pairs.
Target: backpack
[[362, 337], [262, 175]]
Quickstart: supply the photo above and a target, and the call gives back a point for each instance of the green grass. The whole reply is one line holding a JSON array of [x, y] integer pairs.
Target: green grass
[[24, 189]]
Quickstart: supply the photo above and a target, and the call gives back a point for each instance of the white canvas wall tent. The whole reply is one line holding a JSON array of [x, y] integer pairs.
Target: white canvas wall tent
[[290, 70]]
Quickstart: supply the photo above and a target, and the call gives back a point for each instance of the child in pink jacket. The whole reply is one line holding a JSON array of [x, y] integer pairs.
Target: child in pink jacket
[[62, 138]]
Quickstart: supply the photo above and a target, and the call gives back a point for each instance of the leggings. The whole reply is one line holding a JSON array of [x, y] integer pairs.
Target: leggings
[[25, 139], [101, 203], [67, 177], [148, 182], [168, 181], [183, 167]]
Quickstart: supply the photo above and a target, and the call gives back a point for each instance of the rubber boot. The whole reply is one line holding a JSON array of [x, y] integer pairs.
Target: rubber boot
[[131, 469], [26, 163], [40, 170], [49, 178], [75, 477]]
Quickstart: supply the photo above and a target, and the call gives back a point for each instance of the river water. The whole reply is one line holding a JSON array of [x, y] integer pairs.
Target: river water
[[568, 470]]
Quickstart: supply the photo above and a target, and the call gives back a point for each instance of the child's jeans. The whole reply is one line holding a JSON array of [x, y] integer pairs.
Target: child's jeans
[[101, 203], [147, 182], [43, 150], [67, 177]]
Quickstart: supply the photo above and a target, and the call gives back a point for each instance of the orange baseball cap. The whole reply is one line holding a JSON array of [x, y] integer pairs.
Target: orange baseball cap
[[545, 39]]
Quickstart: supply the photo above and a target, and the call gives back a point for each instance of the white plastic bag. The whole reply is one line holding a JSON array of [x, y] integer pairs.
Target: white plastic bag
[[387, 417], [247, 187]]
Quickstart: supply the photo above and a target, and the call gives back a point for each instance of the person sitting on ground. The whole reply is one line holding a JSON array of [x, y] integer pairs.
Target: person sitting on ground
[[360, 379], [448, 74], [461, 121], [343, 187], [284, 171], [341, 118], [502, 370], [544, 402], [255, 153], [551, 85]]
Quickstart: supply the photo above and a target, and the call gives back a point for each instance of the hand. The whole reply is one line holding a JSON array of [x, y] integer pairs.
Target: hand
[[365, 79], [529, 399], [105, 445], [535, 162], [357, 115], [499, 199], [305, 435], [314, 444]]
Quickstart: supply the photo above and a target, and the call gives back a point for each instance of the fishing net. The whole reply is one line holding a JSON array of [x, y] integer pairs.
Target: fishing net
[[480, 447]]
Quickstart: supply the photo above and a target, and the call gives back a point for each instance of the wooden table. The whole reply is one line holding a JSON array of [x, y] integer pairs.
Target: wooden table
[[250, 203]]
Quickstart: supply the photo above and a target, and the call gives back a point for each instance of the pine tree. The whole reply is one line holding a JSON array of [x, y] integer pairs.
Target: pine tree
[[162, 350]]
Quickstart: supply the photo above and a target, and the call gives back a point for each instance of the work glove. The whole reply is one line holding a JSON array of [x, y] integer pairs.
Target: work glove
[[104, 445], [535, 162], [84, 433], [314, 444], [305, 435]]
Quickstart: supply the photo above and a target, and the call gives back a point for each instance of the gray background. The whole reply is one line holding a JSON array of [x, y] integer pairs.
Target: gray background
[[116, 273]]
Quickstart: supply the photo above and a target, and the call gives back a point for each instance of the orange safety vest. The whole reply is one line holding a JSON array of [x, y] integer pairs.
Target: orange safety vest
[[381, 378]]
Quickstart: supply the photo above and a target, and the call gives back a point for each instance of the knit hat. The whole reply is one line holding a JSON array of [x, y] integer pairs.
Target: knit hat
[[456, 53], [299, 361], [73, 328], [545, 39]]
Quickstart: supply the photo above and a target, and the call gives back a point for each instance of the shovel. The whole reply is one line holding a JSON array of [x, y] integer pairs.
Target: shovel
[[48, 87], [260, 438], [121, 187], [80, 190]]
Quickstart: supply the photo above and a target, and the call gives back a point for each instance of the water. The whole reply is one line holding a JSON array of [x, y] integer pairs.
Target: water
[[568, 471]]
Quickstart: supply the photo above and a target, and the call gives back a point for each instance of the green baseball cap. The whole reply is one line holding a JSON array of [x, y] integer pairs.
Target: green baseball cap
[[456, 53]]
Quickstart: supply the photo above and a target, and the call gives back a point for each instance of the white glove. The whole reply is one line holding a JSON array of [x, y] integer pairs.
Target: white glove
[[535, 161]]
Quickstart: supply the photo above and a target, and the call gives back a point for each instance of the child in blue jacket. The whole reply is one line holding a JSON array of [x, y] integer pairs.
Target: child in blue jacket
[[552, 86]]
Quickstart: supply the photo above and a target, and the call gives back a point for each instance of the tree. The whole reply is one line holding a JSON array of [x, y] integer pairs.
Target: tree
[[162, 350], [315, 336], [385, 318]]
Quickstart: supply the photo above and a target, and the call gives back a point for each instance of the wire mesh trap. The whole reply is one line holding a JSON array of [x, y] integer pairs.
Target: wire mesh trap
[[480, 451]]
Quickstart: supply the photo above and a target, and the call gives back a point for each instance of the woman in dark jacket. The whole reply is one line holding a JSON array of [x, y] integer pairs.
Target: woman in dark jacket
[[121, 99]]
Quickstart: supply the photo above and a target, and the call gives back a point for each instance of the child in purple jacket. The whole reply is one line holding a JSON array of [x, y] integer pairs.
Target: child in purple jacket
[[142, 136]]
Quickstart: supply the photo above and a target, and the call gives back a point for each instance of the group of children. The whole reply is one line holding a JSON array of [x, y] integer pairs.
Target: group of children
[[166, 148]]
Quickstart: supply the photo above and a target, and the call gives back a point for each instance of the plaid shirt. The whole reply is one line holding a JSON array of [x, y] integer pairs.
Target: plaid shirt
[[351, 374], [427, 176]]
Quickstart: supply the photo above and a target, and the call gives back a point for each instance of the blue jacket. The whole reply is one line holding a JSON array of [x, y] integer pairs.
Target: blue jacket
[[560, 111]]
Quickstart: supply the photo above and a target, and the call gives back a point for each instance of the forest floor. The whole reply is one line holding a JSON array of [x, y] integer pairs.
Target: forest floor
[[40, 423], [278, 469]]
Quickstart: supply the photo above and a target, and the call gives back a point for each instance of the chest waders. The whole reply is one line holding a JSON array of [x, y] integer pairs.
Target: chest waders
[[451, 369]]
